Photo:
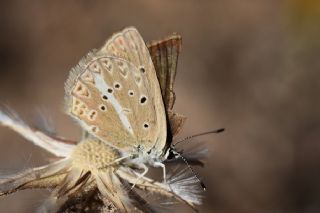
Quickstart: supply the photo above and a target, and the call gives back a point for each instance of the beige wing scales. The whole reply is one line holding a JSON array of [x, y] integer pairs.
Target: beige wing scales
[[115, 95]]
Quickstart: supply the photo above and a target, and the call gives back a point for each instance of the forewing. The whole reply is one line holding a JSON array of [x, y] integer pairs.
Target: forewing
[[115, 95], [164, 54]]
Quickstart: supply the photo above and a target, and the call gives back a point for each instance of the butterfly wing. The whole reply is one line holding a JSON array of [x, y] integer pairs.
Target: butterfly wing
[[164, 54], [115, 95], [176, 122]]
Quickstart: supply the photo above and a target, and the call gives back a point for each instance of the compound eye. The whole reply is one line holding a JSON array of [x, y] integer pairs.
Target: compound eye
[[172, 155]]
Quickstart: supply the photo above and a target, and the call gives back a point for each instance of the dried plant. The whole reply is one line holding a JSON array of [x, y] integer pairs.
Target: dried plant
[[87, 176]]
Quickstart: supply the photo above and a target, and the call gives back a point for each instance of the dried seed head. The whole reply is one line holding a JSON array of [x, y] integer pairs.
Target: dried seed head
[[93, 154]]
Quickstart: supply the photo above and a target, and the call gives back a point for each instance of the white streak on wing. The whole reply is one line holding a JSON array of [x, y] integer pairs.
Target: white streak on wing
[[102, 86], [38, 138]]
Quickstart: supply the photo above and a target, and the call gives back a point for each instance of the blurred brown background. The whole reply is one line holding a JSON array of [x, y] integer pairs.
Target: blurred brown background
[[249, 66]]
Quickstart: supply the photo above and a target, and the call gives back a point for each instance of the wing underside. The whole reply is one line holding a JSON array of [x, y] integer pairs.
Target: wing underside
[[115, 95], [164, 54]]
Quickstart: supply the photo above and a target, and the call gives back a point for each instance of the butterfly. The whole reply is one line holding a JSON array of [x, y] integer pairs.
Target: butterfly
[[117, 96], [98, 89]]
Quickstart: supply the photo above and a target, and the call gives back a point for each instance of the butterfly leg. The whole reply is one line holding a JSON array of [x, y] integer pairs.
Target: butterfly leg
[[159, 164], [145, 168]]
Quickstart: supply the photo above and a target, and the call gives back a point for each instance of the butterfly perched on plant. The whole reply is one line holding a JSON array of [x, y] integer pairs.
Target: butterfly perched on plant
[[122, 95], [114, 94]]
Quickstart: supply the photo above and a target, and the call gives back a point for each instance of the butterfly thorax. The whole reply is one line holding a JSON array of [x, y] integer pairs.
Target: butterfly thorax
[[146, 156]]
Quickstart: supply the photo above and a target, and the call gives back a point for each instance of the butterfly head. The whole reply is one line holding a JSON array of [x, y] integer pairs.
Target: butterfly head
[[172, 153]]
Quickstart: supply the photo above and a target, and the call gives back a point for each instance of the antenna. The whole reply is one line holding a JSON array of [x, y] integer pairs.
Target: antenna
[[199, 134], [191, 169], [177, 154]]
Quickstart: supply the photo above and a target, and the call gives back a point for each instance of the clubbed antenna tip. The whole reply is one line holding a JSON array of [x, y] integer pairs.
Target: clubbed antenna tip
[[220, 130]]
